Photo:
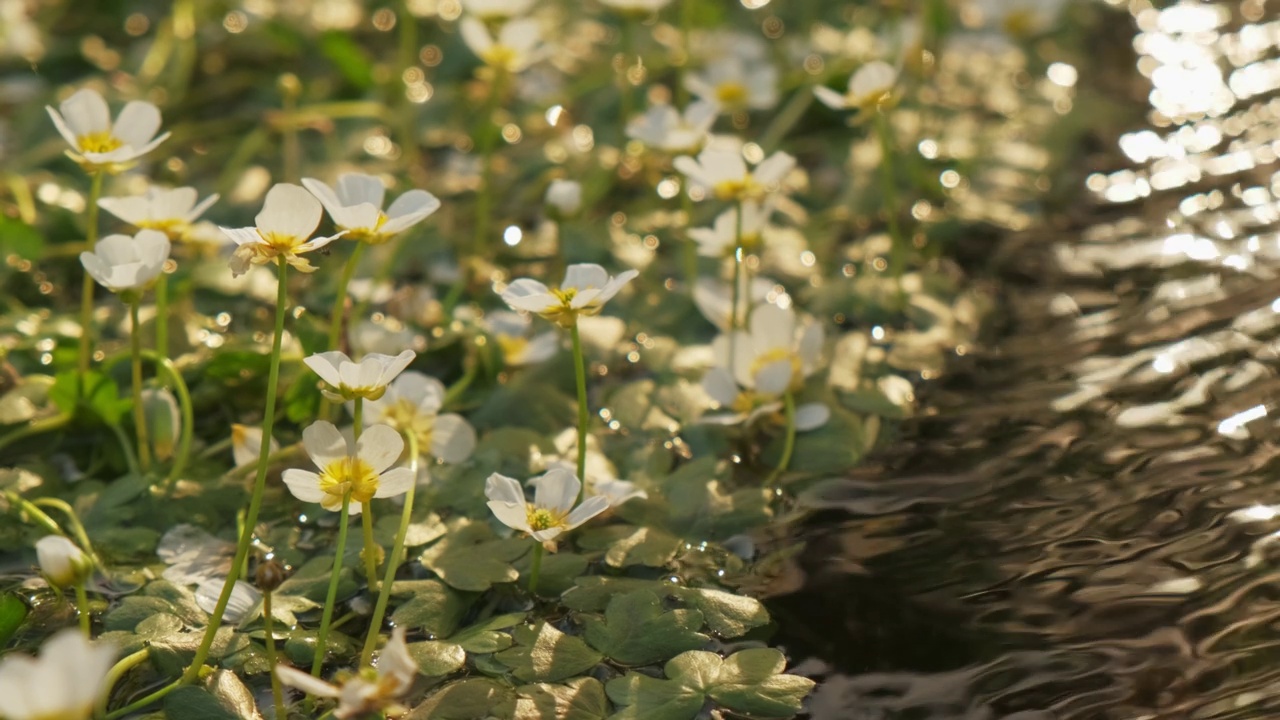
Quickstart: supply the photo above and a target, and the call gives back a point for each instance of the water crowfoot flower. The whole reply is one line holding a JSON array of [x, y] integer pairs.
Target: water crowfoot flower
[[98, 144], [723, 172], [282, 230], [585, 290], [412, 404], [171, 211], [664, 128], [64, 564], [356, 207], [367, 379], [517, 46], [777, 355], [372, 690], [869, 88], [121, 263], [496, 10], [511, 330], [735, 83], [360, 473], [727, 234], [565, 197], [61, 684]]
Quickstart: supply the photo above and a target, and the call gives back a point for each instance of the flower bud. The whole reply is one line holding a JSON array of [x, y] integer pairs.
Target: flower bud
[[164, 423], [62, 561], [565, 196], [269, 575]]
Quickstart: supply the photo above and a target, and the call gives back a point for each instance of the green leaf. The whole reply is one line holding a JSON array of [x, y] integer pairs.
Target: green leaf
[[232, 694], [626, 545], [193, 703], [484, 637], [101, 395], [302, 401], [434, 607], [13, 612], [470, 558], [348, 57], [20, 238], [747, 683], [578, 699], [636, 630], [557, 574], [727, 615], [133, 610], [471, 699], [284, 608], [594, 592], [544, 654], [311, 581], [435, 658]]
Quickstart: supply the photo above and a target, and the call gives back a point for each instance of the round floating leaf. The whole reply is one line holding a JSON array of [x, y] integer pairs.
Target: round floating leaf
[[544, 654], [578, 699], [193, 703], [636, 630], [557, 574], [484, 637], [470, 558], [471, 699], [727, 615], [749, 682], [434, 607], [626, 545], [435, 658]]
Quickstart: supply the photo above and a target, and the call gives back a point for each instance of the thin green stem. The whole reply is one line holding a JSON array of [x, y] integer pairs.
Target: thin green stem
[[175, 381], [162, 315], [145, 700], [86, 288], [340, 300], [889, 188], [117, 671], [322, 639], [370, 551], [38, 516], [277, 693], [735, 323], [789, 444], [77, 528], [393, 560], [357, 417], [455, 390], [580, 374], [488, 140], [139, 410], [126, 448], [35, 427], [536, 570], [260, 483], [82, 607]]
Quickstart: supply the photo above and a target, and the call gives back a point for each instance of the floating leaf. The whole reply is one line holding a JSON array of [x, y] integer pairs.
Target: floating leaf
[[232, 694], [578, 699], [13, 612], [470, 558], [471, 699], [484, 637], [629, 545], [726, 614], [749, 682], [311, 581], [193, 703], [435, 658], [636, 630], [434, 607], [557, 574], [544, 654]]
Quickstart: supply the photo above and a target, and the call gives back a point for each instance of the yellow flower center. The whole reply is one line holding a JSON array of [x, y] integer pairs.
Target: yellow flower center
[[565, 296], [351, 475], [173, 227], [405, 416], [278, 243], [741, 189], [778, 354], [875, 98], [1020, 23], [542, 518], [368, 235], [731, 93], [98, 142], [499, 56], [513, 347]]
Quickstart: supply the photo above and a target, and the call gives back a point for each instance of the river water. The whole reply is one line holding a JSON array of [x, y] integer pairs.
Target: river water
[[1085, 520]]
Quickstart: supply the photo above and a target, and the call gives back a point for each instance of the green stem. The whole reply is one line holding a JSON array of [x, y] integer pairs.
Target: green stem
[[393, 560], [789, 444], [145, 700], [455, 390], [580, 374], [340, 301], [786, 118], [38, 516], [86, 288], [897, 253], [162, 315], [82, 606], [488, 140], [126, 448], [322, 639], [686, 28], [139, 410], [370, 551], [175, 381], [117, 671], [260, 483], [536, 570], [357, 417], [277, 694], [77, 528], [35, 427]]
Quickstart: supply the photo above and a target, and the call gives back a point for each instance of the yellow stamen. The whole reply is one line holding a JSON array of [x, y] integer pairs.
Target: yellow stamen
[[499, 56], [98, 142], [349, 475], [775, 355], [513, 347], [743, 189], [404, 416], [731, 93], [542, 518]]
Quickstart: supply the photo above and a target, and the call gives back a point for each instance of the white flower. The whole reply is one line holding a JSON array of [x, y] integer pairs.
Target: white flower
[[412, 405], [62, 684], [773, 355], [511, 330], [715, 298], [745, 406], [369, 691], [601, 475], [368, 379], [664, 128], [724, 172], [636, 6], [245, 602], [496, 9], [721, 239], [63, 562], [283, 230], [565, 196], [518, 45], [193, 556], [85, 123], [552, 511], [171, 211], [120, 262], [362, 471], [736, 83], [585, 290], [246, 444], [356, 207], [869, 87]]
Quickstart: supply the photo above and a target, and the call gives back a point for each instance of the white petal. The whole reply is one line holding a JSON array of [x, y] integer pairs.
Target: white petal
[[242, 236], [452, 438], [774, 378], [475, 35], [719, 384], [584, 275], [502, 489], [830, 98], [137, 124], [290, 211], [380, 446], [324, 443], [326, 365], [197, 210], [410, 208], [303, 484], [133, 210], [424, 391], [812, 416], [774, 168], [357, 188], [86, 112], [589, 508], [556, 491], [325, 194], [312, 686], [395, 481]]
